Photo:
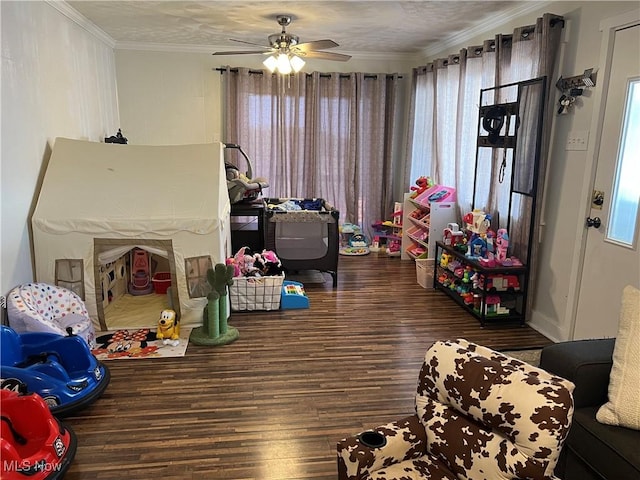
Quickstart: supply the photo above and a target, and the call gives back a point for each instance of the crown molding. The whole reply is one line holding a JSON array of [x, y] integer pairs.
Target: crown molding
[[460, 38], [76, 17]]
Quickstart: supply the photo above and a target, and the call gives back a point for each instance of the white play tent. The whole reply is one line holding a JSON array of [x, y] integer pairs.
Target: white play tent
[[100, 200]]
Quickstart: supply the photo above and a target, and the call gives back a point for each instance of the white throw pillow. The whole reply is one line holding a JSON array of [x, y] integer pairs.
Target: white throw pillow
[[623, 407]]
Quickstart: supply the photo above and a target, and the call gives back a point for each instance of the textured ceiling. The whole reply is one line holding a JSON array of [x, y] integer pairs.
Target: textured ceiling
[[357, 26]]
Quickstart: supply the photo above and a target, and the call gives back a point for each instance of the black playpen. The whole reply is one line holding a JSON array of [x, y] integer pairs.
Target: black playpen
[[304, 234]]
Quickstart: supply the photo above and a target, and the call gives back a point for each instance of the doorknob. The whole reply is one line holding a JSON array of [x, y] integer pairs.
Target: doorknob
[[594, 222]]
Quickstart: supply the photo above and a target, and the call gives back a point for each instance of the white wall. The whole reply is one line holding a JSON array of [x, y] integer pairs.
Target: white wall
[[58, 80], [564, 200], [167, 98], [175, 97]]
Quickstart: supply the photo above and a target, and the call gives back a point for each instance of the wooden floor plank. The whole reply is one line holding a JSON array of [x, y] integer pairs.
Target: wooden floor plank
[[274, 404]]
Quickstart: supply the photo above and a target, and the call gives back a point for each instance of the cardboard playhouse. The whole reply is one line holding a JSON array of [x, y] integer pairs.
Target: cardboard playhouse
[[102, 203]]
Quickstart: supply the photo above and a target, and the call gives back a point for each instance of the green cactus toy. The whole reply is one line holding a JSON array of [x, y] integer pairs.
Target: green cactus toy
[[216, 330], [223, 279], [212, 314]]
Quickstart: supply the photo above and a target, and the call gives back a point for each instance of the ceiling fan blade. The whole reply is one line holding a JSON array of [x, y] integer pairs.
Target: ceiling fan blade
[[315, 45], [250, 43], [338, 57], [241, 52]]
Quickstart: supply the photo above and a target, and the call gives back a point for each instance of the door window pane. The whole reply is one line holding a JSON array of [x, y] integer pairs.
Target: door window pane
[[623, 218]]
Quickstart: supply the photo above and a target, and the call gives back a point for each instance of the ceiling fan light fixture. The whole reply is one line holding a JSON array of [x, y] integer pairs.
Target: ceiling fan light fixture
[[296, 63], [283, 48], [284, 63], [271, 63]]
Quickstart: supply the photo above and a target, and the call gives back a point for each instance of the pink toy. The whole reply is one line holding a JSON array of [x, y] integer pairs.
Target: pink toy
[[270, 256], [236, 267], [262, 264], [502, 244], [244, 262], [489, 261]]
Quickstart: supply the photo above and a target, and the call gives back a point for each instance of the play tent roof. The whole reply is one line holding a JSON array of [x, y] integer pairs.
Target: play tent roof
[[98, 188]]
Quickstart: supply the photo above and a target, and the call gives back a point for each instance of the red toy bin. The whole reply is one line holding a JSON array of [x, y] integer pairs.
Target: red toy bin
[[161, 282]]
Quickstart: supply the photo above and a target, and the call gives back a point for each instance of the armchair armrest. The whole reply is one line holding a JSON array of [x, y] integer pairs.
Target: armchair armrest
[[405, 439], [586, 363]]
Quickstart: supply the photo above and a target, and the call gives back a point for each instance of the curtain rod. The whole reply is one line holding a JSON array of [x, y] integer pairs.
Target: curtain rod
[[488, 45], [325, 75]]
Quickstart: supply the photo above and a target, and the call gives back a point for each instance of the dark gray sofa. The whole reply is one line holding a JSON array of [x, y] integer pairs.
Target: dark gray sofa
[[592, 450]]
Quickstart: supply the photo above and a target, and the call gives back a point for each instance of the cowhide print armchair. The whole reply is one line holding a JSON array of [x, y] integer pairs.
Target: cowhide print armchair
[[480, 415]]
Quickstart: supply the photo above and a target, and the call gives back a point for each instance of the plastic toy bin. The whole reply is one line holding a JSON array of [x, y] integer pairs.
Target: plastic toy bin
[[255, 293], [161, 282]]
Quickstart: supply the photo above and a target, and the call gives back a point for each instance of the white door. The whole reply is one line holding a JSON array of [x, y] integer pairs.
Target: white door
[[612, 259]]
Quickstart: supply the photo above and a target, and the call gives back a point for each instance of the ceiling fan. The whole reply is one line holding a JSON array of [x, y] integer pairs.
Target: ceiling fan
[[286, 52]]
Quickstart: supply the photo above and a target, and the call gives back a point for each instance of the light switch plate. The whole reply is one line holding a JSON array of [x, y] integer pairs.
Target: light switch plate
[[578, 140]]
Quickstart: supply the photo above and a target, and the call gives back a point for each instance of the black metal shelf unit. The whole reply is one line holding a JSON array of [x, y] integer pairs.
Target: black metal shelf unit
[[491, 294], [505, 187]]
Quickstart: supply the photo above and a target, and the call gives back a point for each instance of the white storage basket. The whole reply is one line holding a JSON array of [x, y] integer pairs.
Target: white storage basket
[[256, 293], [424, 272]]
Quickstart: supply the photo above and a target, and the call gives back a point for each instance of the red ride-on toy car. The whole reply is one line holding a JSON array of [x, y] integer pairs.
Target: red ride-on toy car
[[34, 445]]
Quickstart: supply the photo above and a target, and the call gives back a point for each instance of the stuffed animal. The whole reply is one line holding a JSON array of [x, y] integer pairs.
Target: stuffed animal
[[236, 268], [247, 264], [244, 263], [270, 264], [423, 183], [168, 328]]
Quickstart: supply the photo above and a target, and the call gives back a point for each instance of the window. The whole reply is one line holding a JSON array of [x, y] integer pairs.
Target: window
[[623, 223], [69, 274], [326, 135], [196, 271]]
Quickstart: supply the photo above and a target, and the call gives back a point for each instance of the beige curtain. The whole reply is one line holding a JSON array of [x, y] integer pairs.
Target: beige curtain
[[326, 135], [444, 125]]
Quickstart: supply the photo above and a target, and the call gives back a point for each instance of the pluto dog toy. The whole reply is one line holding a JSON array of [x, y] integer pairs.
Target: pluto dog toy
[[168, 328]]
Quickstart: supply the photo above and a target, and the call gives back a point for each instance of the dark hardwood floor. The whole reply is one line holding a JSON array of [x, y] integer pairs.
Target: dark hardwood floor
[[273, 404]]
